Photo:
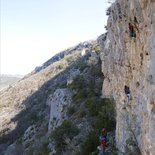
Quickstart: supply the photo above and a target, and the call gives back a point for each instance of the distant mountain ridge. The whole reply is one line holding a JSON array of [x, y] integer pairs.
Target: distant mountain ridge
[[63, 54], [6, 80]]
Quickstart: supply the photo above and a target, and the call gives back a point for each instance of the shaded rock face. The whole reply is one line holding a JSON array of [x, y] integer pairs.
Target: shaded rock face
[[29, 134], [130, 61], [59, 102]]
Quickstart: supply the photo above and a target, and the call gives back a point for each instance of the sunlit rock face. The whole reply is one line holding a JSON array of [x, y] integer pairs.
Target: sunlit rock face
[[130, 61]]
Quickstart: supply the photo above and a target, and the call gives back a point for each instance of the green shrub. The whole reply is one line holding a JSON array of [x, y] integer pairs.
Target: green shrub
[[43, 150], [103, 112], [80, 113], [71, 110], [96, 71], [79, 96], [78, 83], [106, 115], [70, 59], [60, 66], [81, 65], [66, 130], [92, 106], [97, 49], [33, 116], [111, 149], [90, 144]]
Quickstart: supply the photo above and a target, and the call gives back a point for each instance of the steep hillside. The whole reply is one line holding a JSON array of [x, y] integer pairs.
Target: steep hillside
[[128, 62], [58, 109]]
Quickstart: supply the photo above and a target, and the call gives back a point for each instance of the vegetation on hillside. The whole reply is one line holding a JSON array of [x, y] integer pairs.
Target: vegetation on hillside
[[86, 116], [100, 111], [61, 133]]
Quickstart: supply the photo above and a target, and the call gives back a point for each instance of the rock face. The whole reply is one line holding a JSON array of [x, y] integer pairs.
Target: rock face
[[130, 61], [59, 102]]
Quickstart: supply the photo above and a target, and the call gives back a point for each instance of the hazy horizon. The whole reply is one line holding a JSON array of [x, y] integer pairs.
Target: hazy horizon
[[34, 31]]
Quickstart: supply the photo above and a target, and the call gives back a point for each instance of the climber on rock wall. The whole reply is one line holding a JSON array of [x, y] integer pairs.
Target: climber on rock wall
[[127, 92], [103, 140], [132, 31]]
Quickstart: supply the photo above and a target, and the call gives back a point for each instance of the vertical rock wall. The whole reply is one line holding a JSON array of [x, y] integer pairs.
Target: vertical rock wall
[[131, 62], [59, 103]]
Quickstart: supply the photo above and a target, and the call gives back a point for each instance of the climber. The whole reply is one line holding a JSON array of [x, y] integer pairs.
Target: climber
[[103, 140], [127, 92], [132, 31]]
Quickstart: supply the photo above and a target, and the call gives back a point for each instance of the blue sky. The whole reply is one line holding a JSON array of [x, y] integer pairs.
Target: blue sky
[[32, 31]]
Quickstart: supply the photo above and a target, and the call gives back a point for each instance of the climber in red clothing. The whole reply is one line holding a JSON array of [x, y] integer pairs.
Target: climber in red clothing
[[103, 140]]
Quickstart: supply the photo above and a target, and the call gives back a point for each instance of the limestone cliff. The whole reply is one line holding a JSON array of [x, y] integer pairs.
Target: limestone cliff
[[130, 61]]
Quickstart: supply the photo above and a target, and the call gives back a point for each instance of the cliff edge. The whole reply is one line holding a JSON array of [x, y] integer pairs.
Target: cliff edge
[[128, 66]]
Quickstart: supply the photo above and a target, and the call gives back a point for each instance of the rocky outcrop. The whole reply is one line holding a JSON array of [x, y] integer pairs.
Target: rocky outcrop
[[72, 75], [59, 102], [130, 61]]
